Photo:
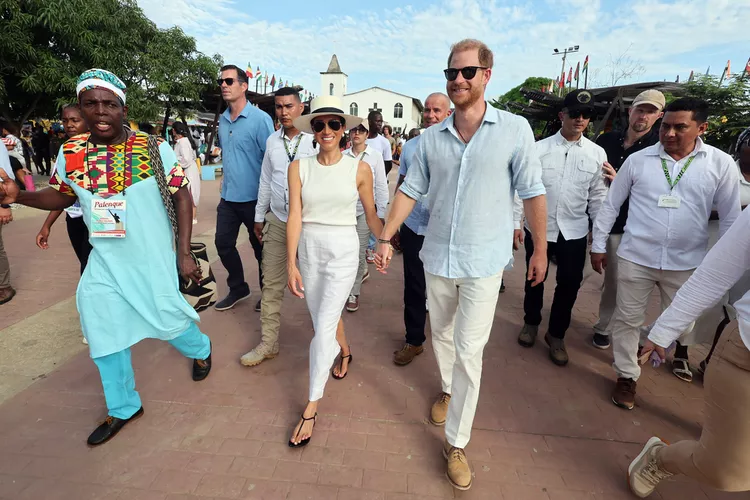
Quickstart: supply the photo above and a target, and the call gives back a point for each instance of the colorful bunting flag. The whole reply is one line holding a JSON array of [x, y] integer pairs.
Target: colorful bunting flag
[[273, 81], [586, 64], [258, 74], [249, 70], [570, 75]]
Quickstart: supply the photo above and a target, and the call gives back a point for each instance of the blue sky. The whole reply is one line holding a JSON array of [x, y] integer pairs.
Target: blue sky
[[403, 45]]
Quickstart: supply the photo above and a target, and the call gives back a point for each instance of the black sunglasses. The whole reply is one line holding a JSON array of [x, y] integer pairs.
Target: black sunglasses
[[585, 113], [360, 129], [468, 72], [319, 125], [230, 81]]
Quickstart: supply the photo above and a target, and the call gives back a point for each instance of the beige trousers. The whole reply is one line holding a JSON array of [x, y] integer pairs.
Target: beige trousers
[[4, 264], [608, 301], [634, 286], [461, 316], [721, 457], [273, 266], [363, 233]]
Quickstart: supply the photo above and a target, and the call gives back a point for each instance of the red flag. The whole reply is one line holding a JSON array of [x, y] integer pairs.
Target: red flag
[[586, 64], [578, 67], [570, 75], [273, 81], [562, 80]]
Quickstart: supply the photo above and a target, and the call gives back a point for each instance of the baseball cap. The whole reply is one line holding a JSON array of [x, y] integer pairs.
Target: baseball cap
[[651, 96], [579, 99]]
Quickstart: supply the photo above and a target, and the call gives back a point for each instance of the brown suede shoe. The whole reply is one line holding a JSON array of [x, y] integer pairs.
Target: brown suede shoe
[[439, 409], [623, 395], [6, 294], [459, 472], [407, 354]]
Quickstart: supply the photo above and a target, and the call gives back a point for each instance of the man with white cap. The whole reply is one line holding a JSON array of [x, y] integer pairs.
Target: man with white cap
[[366, 153], [645, 110], [672, 187]]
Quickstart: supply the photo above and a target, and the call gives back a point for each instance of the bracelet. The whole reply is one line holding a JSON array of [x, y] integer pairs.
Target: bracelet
[[380, 240]]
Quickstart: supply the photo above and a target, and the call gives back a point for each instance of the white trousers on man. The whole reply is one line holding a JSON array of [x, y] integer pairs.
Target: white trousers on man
[[634, 286], [461, 316]]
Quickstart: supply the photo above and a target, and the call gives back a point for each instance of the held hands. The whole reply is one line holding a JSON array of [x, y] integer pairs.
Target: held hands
[[8, 188], [295, 282], [6, 216], [383, 256], [189, 269], [599, 262], [648, 348], [608, 172]]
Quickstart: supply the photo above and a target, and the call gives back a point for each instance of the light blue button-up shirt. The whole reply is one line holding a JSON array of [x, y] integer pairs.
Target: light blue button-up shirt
[[5, 161], [419, 217], [468, 190], [243, 144]]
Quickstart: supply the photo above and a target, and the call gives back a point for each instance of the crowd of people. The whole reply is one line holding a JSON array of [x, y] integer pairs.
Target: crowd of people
[[473, 187]]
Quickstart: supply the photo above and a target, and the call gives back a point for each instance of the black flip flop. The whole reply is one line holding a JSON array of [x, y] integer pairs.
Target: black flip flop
[[304, 442], [341, 367]]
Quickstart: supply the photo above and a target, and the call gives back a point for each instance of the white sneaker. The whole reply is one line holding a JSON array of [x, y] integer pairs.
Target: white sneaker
[[83, 339], [644, 473]]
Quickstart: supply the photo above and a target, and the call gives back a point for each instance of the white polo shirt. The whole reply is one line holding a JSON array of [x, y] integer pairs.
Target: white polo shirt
[[379, 181], [273, 189], [572, 176], [672, 239]]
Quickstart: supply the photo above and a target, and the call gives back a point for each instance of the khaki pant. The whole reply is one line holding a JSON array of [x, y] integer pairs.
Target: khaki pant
[[461, 316], [721, 457], [275, 278], [4, 264], [634, 286], [363, 233], [608, 302]]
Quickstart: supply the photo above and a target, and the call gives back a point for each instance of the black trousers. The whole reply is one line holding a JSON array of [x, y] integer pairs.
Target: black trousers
[[415, 291], [79, 239], [230, 215], [571, 257], [43, 156]]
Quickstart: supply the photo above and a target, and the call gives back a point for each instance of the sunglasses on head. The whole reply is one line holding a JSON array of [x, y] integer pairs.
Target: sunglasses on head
[[229, 81], [320, 125], [585, 113], [467, 72]]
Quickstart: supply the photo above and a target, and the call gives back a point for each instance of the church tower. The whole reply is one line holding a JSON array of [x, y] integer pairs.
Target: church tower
[[333, 80]]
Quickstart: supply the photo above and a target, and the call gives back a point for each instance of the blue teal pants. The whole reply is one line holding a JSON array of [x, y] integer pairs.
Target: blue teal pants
[[118, 379]]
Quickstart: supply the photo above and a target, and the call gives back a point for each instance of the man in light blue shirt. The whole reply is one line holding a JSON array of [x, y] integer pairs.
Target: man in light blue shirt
[[467, 169], [436, 109], [243, 131], [6, 291]]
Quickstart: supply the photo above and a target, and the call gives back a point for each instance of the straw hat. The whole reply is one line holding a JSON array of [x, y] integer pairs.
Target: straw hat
[[323, 106]]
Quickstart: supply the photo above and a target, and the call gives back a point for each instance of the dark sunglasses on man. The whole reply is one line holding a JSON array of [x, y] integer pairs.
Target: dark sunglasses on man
[[587, 114], [467, 72], [229, 81], [320, 125]]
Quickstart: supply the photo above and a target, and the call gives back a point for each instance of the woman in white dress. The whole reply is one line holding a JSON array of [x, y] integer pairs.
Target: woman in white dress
[[186, 158], [321, 231]]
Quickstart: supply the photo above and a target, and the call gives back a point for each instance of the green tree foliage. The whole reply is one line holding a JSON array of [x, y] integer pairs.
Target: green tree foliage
[[514, 94], [45, 45], [729, 107]]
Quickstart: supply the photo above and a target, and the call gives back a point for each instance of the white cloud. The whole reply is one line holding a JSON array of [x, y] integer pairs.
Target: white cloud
[[405, 48]]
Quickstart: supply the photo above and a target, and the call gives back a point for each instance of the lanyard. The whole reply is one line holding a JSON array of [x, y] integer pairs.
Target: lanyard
[[296, 147], [362, 156], [679, 176]]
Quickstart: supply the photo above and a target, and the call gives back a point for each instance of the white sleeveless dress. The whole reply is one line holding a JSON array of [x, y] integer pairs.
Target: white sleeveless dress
[[328, 255]]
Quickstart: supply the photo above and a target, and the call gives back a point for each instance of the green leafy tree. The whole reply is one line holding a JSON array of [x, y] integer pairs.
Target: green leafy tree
[[514, 94], [729, 107], [45, 45]]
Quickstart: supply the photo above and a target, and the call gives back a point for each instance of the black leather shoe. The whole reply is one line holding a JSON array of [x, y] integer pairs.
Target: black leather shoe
[[202, 367], [109, 428], [230, 301]]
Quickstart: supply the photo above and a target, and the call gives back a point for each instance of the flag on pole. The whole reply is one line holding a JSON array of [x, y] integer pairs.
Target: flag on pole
[[747, 69], [561, 82], [249, 70], [552, 85], [570, 75], [728, 72], [258, 74], [691, 77], [677, 80], [708, 70], [578, 67], [273, 81], [266, 78], [586, 64]]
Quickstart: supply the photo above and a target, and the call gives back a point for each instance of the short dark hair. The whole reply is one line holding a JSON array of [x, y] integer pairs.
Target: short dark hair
[[241, 75], [373, 114], [180, 128], [285, 91], [390, 129], [698, 107]]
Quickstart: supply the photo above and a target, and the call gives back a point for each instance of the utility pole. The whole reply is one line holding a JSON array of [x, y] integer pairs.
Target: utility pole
[[564, 53]]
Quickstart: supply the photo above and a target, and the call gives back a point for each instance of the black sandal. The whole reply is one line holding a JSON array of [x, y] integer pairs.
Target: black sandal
[[304, 442], [341, 367]]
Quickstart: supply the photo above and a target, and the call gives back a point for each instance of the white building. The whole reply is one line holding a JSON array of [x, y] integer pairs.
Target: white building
[[400, 111]]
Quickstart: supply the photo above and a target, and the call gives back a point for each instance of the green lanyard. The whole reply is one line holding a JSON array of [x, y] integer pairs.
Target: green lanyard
[[296, 147], [679, 176]]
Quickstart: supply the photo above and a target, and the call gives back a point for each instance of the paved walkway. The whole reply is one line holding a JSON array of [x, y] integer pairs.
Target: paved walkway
[[541, 432]]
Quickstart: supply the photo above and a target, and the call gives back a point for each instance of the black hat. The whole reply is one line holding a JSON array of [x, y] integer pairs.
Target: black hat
[[579, 99]]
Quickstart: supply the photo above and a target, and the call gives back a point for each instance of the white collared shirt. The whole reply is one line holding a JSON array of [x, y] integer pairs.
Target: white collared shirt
[[379, 181], [672, 239], [744, 188], [572, 176], [273, 190]]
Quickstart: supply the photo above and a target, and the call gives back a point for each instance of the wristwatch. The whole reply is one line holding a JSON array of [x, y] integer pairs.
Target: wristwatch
[[4, 206]]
